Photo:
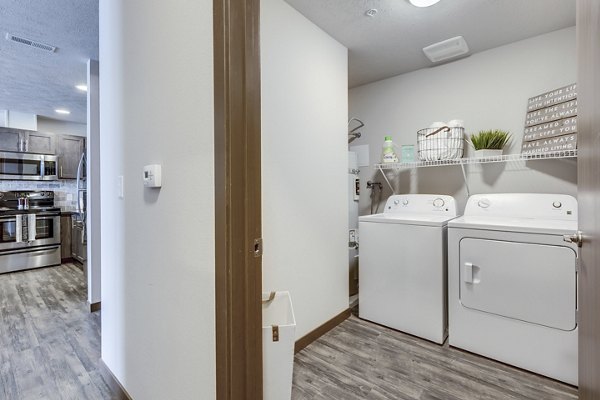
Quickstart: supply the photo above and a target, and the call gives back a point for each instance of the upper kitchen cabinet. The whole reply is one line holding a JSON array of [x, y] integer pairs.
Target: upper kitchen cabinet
[[38, 142], [19, 140], [69, 151], [10, 139]]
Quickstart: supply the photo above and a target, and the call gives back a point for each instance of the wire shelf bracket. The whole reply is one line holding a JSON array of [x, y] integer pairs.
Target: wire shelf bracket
[[386, 179]]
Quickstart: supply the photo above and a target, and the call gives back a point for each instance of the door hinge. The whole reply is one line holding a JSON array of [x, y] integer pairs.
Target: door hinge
[[258, 247], [275, 331]]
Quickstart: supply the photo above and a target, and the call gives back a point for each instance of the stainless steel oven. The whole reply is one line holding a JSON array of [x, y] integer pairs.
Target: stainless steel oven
[[29, 230], [29, 238], [25, 166]]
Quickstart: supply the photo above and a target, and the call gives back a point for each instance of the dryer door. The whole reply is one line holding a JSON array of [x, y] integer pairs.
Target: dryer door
[[534, 283]]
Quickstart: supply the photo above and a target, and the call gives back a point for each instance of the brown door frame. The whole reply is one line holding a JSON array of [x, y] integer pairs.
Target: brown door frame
[[588, 88], [238, 258]]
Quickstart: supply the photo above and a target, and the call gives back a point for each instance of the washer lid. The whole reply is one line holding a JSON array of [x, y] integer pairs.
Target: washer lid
[[524, 225], [407, 219]]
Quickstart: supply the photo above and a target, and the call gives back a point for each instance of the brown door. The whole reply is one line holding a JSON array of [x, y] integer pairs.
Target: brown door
[[588, 42]]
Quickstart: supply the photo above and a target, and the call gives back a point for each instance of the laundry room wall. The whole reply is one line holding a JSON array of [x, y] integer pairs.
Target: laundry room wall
[[158, 259], [487, 90], [304, 164]]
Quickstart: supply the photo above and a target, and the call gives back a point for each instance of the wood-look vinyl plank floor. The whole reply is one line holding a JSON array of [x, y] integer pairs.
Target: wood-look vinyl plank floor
[[50, 349], [361, 360], [49, 341]]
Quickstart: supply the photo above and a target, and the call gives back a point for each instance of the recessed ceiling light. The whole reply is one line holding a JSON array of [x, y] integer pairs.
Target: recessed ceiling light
[[82, 87], [62, 111], [371, 13], [423, 3]]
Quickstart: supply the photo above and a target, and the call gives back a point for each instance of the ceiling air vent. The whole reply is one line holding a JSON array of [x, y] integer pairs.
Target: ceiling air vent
[[31, 43], [447, 49]]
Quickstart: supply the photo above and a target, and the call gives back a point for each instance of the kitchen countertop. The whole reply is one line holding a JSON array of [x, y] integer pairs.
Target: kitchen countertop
[[68, 211]]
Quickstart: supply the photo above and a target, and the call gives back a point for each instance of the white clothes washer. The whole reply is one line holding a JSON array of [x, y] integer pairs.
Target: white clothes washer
[[512, 281], [403, 265]]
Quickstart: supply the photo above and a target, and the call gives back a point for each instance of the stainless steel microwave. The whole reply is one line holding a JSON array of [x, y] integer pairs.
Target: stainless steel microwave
[[25, 166]]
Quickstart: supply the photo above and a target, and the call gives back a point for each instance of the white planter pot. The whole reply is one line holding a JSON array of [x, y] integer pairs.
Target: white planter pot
[[488, 153]]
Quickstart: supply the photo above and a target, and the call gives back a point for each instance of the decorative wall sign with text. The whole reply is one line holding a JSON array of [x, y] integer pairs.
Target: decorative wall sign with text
[[551, 122]]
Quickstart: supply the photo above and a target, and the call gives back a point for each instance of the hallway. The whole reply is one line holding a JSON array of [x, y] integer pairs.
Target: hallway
[[49, 341]]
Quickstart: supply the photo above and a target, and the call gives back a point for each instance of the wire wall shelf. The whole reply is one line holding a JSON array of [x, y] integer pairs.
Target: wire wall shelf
[[472, 161], [476, 160]]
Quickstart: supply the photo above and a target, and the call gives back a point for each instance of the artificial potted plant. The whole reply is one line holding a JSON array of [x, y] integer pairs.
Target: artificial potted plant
[[490, 143]]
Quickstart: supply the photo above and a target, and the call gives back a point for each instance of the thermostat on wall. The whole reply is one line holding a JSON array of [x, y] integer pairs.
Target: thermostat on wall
[[152, 176]]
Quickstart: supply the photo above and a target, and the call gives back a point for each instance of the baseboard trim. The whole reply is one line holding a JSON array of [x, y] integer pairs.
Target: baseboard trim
[[113, 383], [321, 330], [95, 306]]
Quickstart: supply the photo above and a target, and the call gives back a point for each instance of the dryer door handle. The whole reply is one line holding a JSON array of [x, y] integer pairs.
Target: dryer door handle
[[471, 273], [468, 271]]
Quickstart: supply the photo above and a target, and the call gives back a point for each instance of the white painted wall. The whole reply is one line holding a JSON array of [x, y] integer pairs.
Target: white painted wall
[[18, 120], [304, 164], [93, 183], [487, 90], [156, 106], [45, 124]]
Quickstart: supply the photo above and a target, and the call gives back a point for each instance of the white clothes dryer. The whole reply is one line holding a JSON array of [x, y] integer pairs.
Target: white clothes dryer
[[512, 281], [403, 265]]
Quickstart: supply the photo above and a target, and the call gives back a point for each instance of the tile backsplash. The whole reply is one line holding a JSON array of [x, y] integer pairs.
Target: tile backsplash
[[65, 191]]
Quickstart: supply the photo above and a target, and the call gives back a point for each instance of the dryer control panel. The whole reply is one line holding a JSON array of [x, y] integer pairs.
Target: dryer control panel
[[523, 205], [421, 204]]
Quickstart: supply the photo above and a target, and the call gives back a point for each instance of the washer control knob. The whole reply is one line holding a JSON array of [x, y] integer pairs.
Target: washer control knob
[[557, 204], [405, 202], [439, 202], [396, 202], [484, 203]]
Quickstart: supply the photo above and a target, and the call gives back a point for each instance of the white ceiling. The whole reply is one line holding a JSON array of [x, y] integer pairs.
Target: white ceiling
[[36, 81], [388, 44], [391, 43]]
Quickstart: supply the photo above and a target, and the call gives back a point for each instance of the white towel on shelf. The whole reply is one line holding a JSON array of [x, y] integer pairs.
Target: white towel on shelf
[[432, 145], [444, 145]]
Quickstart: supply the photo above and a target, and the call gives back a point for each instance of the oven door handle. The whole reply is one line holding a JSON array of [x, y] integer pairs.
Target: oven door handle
[[38, 216], [29, 250]]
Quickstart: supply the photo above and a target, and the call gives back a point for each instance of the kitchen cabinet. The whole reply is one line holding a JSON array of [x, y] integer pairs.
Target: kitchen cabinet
[[38, 142], [65, 237], [10, 139], [78, 239], [69, 151], [19, 140]]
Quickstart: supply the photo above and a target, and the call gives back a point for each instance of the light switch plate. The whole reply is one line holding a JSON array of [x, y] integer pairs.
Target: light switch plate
[[120, 188]]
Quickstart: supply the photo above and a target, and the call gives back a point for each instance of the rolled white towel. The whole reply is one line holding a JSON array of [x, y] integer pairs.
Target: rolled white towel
[[456, 123]]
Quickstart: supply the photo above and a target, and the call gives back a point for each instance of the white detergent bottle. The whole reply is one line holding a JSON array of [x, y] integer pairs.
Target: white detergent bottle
[[389, 154]]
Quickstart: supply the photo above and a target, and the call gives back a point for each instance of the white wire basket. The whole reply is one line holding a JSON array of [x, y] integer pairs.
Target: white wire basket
[[437, 144]]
